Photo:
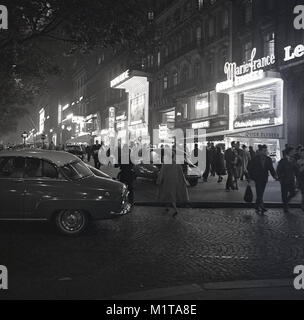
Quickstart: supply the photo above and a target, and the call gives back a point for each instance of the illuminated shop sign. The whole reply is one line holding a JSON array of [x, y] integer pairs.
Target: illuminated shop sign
[[245, 73], [201, 125], [253, 123], [290, 54], [124, 76]]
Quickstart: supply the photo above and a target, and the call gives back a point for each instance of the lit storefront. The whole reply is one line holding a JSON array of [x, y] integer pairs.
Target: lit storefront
[[255, 104], [136, 85], [206, 111]]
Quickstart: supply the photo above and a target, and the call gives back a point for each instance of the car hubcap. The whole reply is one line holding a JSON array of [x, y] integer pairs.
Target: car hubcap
[[72, 220]]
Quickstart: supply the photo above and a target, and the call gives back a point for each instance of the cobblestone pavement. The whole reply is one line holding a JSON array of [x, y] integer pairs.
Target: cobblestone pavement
[[149, 249]]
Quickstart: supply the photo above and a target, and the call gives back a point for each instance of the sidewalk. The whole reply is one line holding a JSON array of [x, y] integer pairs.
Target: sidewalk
[[209, 194]]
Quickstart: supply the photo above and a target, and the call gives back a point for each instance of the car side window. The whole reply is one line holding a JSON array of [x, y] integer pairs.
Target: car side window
[[12, 167], [49, 170], [37, 168], [33, 168]]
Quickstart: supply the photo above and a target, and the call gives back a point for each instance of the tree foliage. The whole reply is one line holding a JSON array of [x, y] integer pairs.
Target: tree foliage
[[36, 27]]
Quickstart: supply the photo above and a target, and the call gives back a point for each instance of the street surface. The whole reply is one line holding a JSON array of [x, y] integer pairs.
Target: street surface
[[150, 250]]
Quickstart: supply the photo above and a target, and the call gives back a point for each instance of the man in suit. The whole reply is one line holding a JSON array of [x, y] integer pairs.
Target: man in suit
[[258, 169], [287, 171]]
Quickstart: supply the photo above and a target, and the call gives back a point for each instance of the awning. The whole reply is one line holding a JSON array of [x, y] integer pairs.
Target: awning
[[86, 139]]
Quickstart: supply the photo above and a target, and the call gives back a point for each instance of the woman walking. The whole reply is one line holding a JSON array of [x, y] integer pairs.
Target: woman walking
[[172, 184]]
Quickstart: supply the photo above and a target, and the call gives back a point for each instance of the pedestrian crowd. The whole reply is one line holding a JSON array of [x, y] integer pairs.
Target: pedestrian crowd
[[238, 163], [244, 163]]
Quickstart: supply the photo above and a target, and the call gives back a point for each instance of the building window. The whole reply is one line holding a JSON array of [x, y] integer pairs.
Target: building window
[[198, 35], [184, 111], [175, 78], [185, 73], [247, 49], [200, 4], [158, 59], [165, 82], [248, 12], [197, 70], [211, 28], [150, 61], [225, 24], [210, 68], [269, 44]]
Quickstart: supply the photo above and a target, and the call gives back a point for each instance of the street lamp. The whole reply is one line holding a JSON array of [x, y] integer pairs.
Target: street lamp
[[24, 136]]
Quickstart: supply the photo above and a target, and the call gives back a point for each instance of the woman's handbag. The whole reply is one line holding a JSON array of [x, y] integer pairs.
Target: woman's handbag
[[248, 197]]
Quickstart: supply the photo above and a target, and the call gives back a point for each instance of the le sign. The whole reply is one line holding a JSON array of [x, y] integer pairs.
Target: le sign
[[290, 54]]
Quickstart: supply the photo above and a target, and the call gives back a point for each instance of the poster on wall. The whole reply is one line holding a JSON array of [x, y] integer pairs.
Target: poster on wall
[[137, 109]]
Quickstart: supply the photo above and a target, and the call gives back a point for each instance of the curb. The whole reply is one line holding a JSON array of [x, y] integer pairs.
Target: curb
[[216, 205]]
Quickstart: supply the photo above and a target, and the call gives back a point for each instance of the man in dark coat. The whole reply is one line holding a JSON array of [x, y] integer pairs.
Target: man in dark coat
[[230, 159], [287, 172], [95, 150], [258, 169]]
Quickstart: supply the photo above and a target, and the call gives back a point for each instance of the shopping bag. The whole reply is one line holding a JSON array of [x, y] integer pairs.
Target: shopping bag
[[248, 197]]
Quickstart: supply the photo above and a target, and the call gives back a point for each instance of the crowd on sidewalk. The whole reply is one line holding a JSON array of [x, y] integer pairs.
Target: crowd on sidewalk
[[237, 163], [240, 162]]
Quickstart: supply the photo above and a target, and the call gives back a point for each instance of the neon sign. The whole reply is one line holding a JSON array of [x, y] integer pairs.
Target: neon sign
[[245, 73], [124, 76], [298, 52]]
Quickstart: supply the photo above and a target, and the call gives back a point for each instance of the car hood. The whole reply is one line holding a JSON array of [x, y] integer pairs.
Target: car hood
[[102, 183]]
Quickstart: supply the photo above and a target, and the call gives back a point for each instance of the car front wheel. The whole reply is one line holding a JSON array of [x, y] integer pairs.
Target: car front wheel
[[71, 222]]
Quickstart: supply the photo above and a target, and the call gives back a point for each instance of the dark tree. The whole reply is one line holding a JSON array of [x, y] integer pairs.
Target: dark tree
[[36, 27]]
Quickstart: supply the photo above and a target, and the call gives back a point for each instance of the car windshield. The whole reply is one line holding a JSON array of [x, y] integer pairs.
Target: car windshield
[[76, 170]]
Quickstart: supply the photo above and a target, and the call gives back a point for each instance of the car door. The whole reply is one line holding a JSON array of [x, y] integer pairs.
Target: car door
[[12, 187], [43, 185]]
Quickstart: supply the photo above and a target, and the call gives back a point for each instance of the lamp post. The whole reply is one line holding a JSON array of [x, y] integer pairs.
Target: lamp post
[[24, 136]]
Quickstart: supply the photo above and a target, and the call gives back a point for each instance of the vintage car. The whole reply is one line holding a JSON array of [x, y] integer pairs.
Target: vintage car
[[76, 150], [151, 171], [57, 186]]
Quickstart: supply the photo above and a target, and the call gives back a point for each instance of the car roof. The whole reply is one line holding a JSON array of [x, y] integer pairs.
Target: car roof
[[60, 158]]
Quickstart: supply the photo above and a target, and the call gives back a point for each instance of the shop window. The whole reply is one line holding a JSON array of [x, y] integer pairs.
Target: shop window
[[213, 103], [184, 111], [260, 103], [202, 106]]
